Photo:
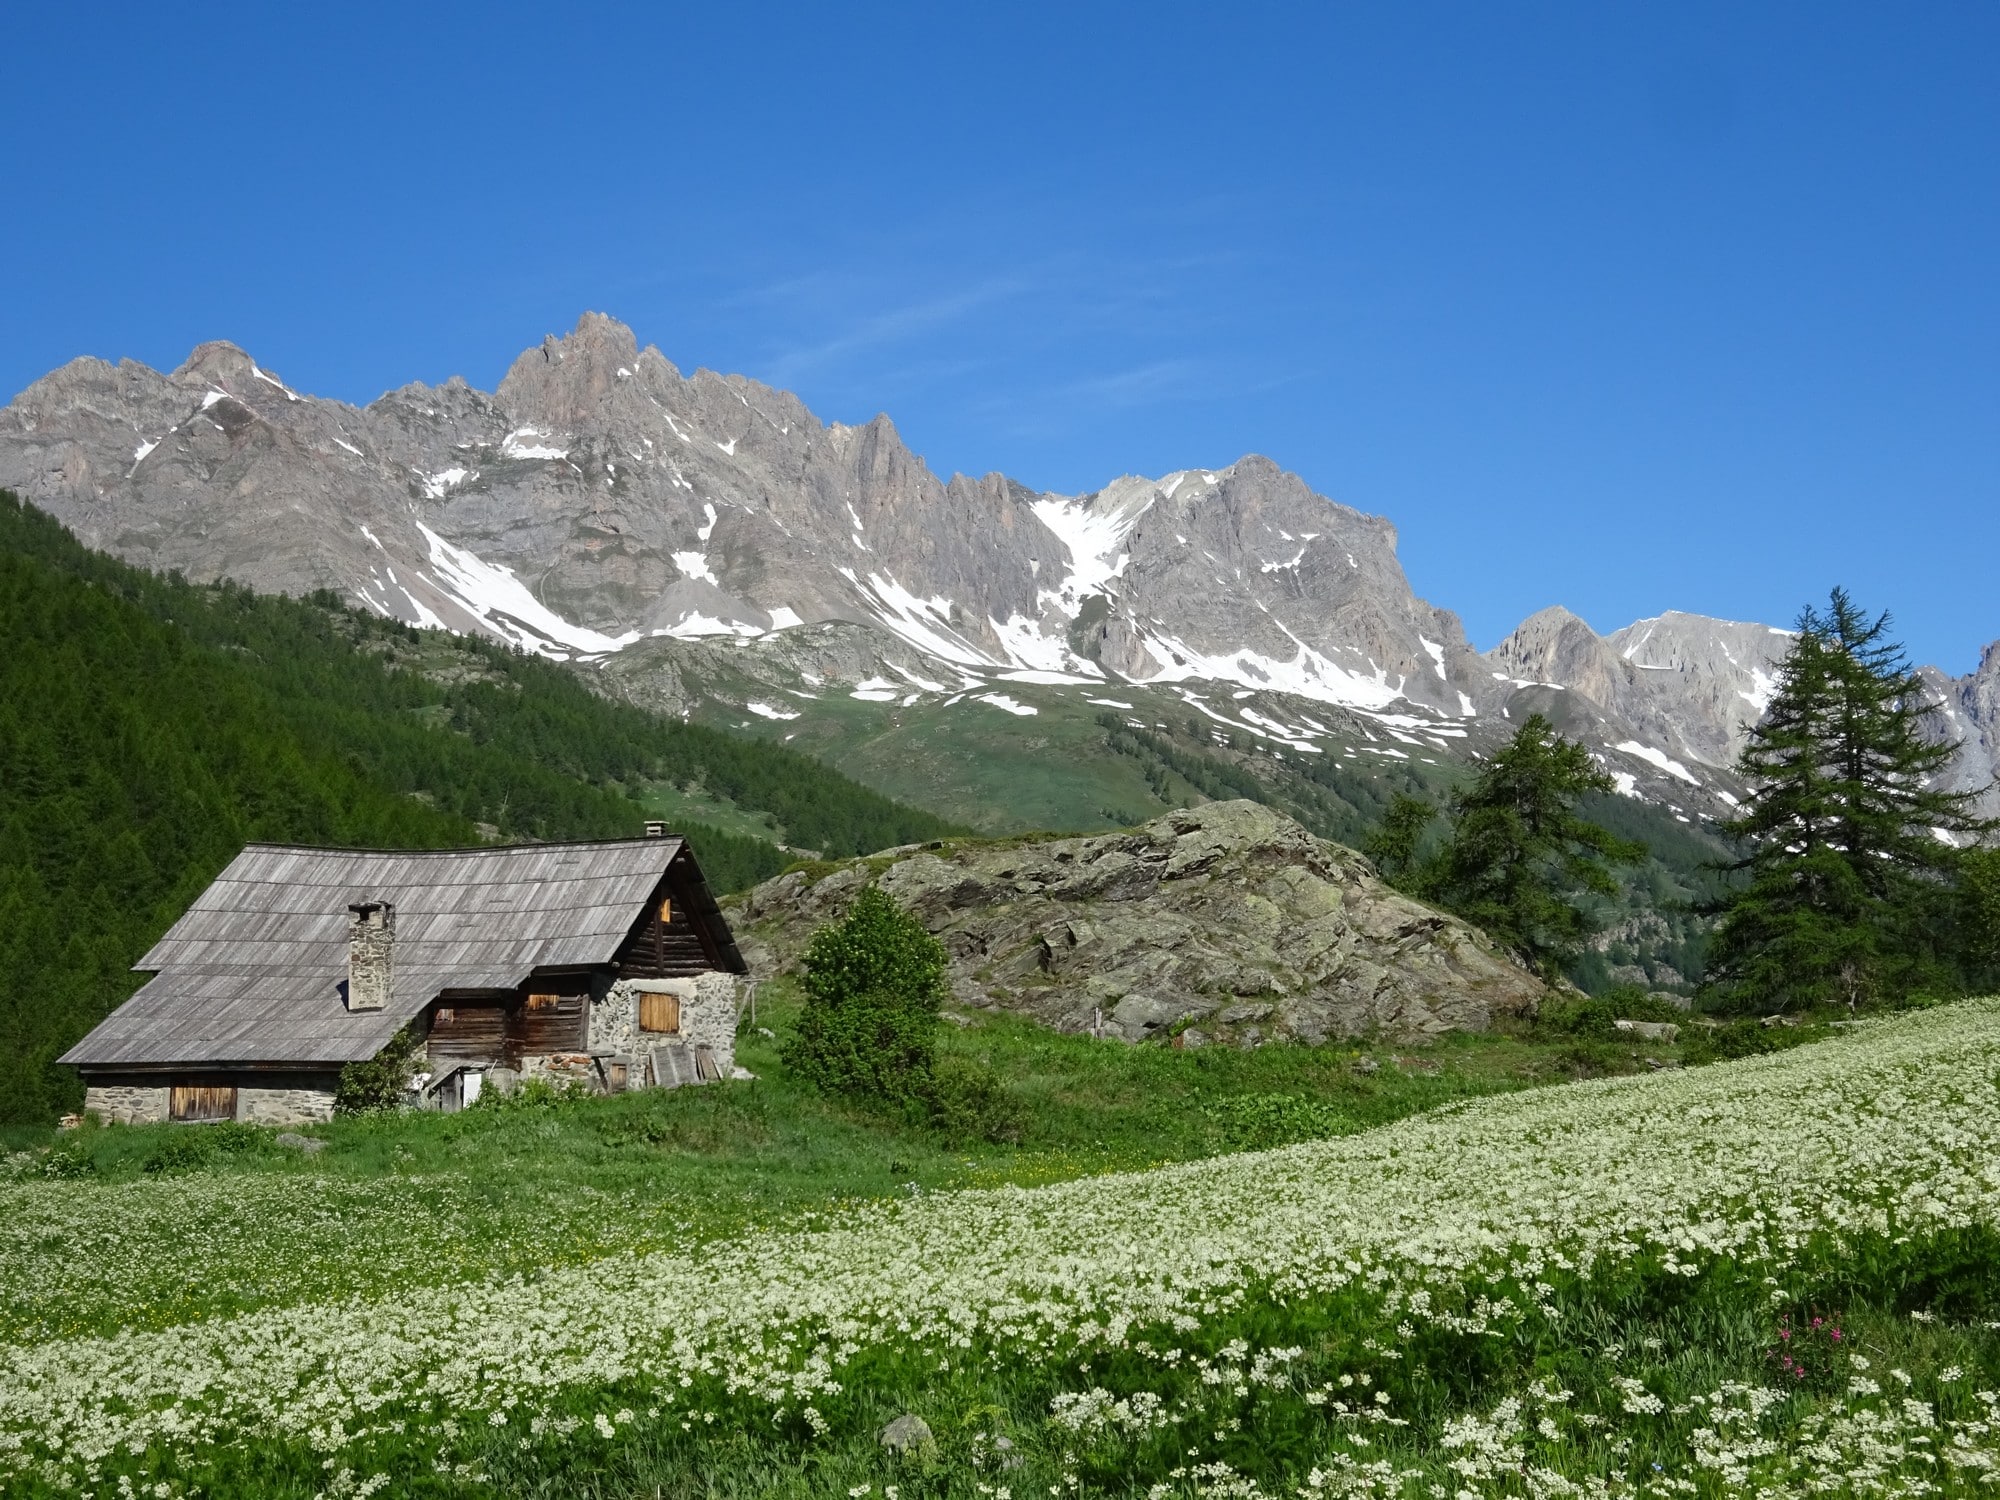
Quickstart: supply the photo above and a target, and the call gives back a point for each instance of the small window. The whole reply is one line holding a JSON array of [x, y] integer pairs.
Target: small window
[[659, 1013], [543, 1002], [446, 1015], [666, 910]]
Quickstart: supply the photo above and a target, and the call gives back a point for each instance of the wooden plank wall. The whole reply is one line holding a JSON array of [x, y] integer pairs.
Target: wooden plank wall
[[549, 1022], [492, 1031], [673, 949], [469, 1031]]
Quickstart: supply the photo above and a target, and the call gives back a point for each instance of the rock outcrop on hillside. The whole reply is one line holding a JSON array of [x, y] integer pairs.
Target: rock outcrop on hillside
[[1230, 916]]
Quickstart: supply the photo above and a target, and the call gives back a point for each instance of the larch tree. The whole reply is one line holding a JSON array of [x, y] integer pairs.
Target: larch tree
[[1847, 842], [1520, 858]]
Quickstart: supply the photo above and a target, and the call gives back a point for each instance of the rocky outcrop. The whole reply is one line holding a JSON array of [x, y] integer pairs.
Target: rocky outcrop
[[1228, 916]]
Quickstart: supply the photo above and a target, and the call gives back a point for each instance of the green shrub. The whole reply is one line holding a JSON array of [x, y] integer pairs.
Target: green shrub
[[1631, 1003], [382, 1081], [1255, 1122], [533, 1096], [189, 1148], [965, 1100], [874, 982], [1589, 1018], [1744, 1038], [68, 1162]]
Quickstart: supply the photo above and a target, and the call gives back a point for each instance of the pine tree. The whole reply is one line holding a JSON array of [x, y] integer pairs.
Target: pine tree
[[1519, 856], [1396, 843], [1843, 857]]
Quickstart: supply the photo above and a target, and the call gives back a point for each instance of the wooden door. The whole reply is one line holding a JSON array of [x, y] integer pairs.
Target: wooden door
[[198, 1102]]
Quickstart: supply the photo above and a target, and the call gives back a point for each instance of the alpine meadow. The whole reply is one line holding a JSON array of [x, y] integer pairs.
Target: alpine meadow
[[1011, 753]]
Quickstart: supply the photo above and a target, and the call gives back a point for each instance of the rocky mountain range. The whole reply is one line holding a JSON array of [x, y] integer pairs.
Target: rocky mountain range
[[675, 532]]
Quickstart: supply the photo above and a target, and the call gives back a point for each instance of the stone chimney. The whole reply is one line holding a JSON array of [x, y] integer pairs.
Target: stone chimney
[[371, 953], [656, 830]]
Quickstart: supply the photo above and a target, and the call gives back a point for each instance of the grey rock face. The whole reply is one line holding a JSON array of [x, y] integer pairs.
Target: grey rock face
[[599, 499], [1230, 915], [678, 530], [1672, 700], [1969, 716], [1683, 686]]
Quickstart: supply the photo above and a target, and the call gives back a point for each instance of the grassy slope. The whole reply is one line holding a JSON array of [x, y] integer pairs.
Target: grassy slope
[[439, 1197], [515, 1191]]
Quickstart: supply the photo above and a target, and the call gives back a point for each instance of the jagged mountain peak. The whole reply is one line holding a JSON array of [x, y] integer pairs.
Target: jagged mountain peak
[[599, 499], [215, 362]]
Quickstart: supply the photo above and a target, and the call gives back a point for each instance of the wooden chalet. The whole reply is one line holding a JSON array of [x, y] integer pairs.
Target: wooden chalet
[[607, 963]]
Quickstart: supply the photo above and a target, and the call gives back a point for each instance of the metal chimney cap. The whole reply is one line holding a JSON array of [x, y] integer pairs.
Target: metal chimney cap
[[655, 829]]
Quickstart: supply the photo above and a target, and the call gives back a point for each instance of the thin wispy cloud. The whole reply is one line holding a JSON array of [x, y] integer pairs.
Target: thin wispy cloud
[[1142, 385], [915, 320]]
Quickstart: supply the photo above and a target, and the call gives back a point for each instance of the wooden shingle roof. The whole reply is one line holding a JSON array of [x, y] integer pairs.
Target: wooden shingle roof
[[253, 972]]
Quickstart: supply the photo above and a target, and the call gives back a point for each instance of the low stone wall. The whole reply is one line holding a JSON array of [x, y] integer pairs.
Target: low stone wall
[[708, 1017], [145, 1104], [124, 1104], [283, 1106], [558, 1068]]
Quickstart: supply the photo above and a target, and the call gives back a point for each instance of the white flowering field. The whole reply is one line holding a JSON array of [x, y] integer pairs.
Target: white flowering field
[[1774, 1276]]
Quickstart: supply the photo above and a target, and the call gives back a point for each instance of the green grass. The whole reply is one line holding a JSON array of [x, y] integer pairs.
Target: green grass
[[977, 764], [413, 1200], [207, 1222], [684, 805]]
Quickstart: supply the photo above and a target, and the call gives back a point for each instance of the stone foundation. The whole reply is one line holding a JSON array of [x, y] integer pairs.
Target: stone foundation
[[122, 1104], [146, 1104], [559, 1068], [282, 1106]]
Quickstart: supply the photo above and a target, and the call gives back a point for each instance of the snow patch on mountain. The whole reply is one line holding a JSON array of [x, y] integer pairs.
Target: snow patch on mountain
[[1012, 706], [519, 444], [437, 486], [502, 603], [1094, 530], [695, 565], [1309, 674], [1659, 758]]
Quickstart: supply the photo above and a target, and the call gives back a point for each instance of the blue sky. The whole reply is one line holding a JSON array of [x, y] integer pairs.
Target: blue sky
[[1622, 307]]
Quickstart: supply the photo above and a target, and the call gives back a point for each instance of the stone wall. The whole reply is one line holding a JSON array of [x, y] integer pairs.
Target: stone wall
[[125, 1104], [148, 1104], [283, 1106], [708, 1017], [558, 1068]]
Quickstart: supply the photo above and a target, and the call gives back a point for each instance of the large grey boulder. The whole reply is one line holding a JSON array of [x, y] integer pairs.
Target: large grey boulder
[[908, 1433], [1230, 915]]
